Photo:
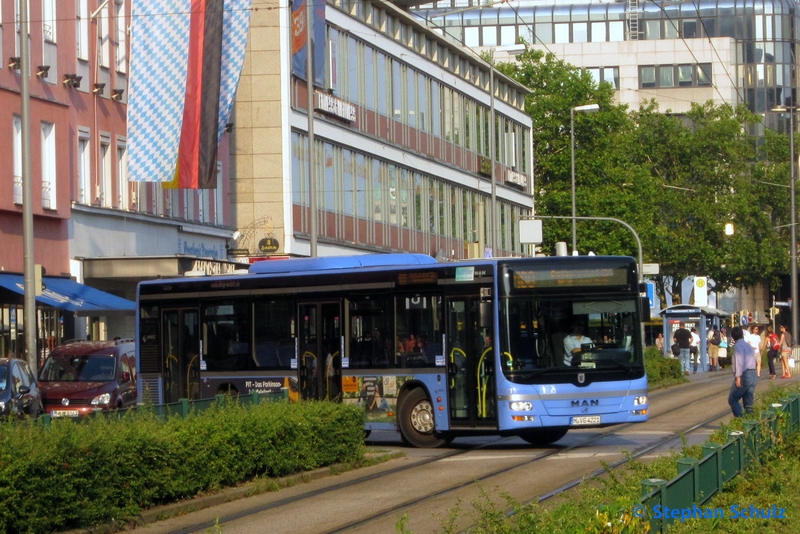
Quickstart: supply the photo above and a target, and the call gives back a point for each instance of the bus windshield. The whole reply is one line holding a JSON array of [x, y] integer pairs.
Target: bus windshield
[[547, 335]]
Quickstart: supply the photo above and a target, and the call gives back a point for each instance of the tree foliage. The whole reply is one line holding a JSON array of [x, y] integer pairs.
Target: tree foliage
[[676, 179]]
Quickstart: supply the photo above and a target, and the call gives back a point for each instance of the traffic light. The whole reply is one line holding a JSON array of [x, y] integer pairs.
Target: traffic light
[[734, 319]]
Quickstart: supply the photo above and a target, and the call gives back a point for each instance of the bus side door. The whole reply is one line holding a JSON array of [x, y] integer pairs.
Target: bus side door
[[470, 365], [181, 350], [320, 351]]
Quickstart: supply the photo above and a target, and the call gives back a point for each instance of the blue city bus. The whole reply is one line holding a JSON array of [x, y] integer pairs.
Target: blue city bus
[[434, 350]]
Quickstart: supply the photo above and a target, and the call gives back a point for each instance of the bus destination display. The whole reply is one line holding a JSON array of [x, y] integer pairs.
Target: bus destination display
[[555, 278]]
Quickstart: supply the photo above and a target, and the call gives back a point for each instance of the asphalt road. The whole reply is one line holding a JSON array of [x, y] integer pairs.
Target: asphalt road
[[425, 485]]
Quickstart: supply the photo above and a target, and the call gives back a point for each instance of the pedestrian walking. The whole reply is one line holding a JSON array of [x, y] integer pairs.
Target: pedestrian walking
[[713, 348], [773, 344], [754, 340], [683, 338], [787, 342], [744, 372], [694, 350], [723, 346]]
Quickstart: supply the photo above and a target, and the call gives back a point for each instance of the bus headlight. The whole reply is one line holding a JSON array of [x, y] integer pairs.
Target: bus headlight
[[520, 406], [640, 400]]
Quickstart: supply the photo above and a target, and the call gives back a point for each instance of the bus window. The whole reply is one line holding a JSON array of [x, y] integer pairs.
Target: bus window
[[273, 328], [226, 336], [370, 333], [419, 331]]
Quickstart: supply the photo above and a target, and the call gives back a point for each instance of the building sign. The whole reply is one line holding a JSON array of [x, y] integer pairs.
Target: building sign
[[335, 106], [214, 267], [516, 178], [201, 249], [269, 244]]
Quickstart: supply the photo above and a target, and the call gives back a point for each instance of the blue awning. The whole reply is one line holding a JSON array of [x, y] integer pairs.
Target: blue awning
[[69, 295]]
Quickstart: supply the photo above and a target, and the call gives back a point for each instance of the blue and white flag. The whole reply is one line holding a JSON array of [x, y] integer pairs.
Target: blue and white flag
[[157, 89], [234, 44]]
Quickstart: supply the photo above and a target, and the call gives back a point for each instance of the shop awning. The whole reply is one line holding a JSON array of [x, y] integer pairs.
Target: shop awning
[[69, 295]]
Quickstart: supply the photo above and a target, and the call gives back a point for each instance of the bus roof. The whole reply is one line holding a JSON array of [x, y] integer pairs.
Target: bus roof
[[330, 263]]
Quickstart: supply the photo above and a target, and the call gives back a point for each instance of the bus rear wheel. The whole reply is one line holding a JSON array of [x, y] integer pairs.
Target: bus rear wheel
[[416, 420], [544, 436]]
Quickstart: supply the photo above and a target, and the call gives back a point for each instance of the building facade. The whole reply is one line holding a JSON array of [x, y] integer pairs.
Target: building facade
[[91, 226], [724, 51], [402, 124]]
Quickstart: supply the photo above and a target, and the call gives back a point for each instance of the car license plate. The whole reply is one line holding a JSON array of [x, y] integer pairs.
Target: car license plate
[[64, 413], [586, 420]]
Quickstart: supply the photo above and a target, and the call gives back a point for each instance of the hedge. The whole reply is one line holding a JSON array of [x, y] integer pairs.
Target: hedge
[[99, 470]]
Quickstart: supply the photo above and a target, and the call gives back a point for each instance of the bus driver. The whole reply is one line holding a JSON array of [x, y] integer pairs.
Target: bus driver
[[573, 342]]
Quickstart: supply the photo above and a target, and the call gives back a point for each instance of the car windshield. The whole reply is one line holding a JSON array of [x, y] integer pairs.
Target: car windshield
[[3, 378], [89, 368]]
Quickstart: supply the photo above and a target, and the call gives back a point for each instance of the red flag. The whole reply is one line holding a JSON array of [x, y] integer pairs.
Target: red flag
[[197, 158]]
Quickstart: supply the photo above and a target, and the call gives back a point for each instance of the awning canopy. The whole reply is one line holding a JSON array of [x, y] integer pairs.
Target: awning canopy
[[69, 295]]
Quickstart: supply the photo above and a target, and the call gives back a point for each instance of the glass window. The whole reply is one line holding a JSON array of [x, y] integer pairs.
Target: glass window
[[472, 36], [489, 35], [611, 75], [226, 336], [82, 28], [49, 165], [544, 33], [562, 33], [508, 35], [418, 332], [684, 75], [616, 31], [690, 29], [704, 74], [371, 334], [647, 76], [412, 97], [598, 32], [652, 29], [273, 329], [666, 76], [580, 32], [369, 76], [121, 46], [670, 29]]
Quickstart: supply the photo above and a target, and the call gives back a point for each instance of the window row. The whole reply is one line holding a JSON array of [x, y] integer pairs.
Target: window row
[[110, 32], [601, 22], [436, 50], [605, 75], [394, 332], [109, 186], [665, 76], [358, 186], [378, 82]]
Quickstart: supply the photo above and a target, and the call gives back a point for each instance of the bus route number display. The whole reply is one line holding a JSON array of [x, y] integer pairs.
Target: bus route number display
[[538, 279]]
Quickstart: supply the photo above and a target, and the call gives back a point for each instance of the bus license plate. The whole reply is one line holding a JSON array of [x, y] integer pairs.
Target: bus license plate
[[586, 420]]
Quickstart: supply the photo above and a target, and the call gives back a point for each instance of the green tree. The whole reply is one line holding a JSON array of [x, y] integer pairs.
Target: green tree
[[676, 179]]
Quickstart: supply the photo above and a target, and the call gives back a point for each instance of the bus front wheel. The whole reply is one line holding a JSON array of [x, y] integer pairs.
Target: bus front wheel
[[544, 436], [416, 419]]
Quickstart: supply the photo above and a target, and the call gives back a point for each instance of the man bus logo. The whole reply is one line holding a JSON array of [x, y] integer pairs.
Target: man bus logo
[[585, 403], [581, 378]]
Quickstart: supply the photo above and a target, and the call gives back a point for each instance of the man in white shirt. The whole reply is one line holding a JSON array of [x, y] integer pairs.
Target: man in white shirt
[[695, 350], [754, 340]]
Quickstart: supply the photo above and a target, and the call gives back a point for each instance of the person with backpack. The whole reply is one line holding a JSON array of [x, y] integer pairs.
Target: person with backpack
[[773, 350], [713, 348]]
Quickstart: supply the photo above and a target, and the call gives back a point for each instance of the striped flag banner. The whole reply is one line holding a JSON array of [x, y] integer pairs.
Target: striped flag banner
[[157, 89], [213, 45]]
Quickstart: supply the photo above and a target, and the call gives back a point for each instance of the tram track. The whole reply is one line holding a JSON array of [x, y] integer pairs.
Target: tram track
[[385, 512]]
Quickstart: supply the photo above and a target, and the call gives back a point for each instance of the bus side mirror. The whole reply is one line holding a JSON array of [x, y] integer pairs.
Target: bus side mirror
[[485, 315]]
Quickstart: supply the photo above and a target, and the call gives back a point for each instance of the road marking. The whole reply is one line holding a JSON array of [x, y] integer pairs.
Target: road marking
[[566, 455], [479, 457]]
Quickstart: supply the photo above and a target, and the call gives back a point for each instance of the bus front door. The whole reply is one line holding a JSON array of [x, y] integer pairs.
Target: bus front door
[[470, 366], [181, 352], [320, 345]]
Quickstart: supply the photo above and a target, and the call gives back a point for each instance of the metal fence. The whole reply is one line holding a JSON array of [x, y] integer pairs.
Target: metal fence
[[699, 480], [184, 407]]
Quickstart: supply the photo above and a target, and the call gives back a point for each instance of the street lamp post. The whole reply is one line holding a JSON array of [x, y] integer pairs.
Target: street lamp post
[[793, 227], [588, 108]]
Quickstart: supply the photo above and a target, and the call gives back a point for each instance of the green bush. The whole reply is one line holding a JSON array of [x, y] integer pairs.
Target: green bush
[[661, 370], [71, 475]]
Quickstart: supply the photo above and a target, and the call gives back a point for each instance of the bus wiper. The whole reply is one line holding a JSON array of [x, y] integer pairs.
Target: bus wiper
[[534, 372]]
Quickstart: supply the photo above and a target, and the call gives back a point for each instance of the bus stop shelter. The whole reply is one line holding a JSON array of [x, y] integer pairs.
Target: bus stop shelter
[[702, 316]]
